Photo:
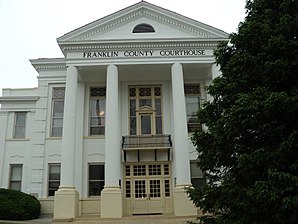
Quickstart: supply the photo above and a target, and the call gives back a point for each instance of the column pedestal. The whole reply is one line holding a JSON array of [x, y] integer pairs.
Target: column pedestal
[[111, 202], [66, 204], [183, 206]]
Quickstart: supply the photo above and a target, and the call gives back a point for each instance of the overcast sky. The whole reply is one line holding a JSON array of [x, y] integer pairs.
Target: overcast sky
[[29, 28]]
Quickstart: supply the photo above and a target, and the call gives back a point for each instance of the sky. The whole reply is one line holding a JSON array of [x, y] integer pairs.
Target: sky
[[29, 28]]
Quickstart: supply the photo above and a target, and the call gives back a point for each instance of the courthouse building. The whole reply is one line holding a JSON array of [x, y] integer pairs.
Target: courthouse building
[[107, 130]]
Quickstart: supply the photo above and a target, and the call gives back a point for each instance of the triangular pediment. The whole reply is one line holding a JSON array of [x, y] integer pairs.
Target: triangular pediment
[[145, 109], [120, 25]]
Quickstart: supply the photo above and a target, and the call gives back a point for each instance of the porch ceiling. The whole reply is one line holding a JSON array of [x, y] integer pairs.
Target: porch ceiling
[[143, 72]]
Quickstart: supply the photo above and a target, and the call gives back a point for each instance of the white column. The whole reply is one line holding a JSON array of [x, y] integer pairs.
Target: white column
[[215, 71], [3, 122], [180, 137], [66, 201], [182, 204], [69, 128], [111, 196], [112, 138]]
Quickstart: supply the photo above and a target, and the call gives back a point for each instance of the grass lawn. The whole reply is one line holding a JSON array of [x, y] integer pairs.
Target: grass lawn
[[8, 223]]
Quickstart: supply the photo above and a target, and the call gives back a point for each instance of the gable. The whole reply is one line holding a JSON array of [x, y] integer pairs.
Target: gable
[[119, 26], [125, 31]]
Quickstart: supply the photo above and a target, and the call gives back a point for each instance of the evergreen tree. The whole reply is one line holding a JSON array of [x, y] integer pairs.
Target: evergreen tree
[[250, 150]]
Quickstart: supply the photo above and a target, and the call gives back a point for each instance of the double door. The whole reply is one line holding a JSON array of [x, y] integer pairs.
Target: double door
[[147, 196], [147, 187]]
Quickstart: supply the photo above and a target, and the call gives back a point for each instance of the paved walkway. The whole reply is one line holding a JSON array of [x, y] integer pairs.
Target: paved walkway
[[146, 219]]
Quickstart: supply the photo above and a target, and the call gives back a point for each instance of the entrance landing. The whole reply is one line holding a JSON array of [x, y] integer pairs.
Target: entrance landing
[[136, 219]]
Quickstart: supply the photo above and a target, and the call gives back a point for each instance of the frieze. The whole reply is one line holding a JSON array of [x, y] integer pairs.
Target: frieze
[[146, 53]]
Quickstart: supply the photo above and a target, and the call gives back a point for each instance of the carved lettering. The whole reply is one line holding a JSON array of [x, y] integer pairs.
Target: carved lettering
[[144, 53]]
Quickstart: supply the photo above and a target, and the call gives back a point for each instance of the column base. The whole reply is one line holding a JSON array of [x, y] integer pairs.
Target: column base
[[66, 204], [111, 202], [183, 206]]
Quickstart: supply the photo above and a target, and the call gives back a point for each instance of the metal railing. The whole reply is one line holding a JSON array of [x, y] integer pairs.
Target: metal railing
[[146, 141]]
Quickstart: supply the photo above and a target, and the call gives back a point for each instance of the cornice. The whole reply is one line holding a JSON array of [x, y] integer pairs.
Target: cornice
[[48, 64], [18, 98], [101, 46], [50, 67]]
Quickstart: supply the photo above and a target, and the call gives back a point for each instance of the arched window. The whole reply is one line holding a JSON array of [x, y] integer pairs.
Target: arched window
[[143, 28]]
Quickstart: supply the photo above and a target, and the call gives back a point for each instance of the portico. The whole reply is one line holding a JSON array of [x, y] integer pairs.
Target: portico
[[164, 150]]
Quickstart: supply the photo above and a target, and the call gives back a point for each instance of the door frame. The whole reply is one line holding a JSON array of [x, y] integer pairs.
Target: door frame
[[166, 195], [145, 110]]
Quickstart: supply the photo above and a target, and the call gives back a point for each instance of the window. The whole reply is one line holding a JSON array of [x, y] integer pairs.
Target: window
[[54, 178], [197, 178], [96, 179], [143, 28], [20, 125], [97, 111], [15, 182], [57, 111], [149, 96], [192, 101]]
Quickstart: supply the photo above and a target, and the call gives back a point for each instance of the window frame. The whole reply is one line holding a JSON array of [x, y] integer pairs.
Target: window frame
[[17, 126], [196, 177], [197, 95], [143, 28], [95, 180], [53, 100], [136, 97], [11, 166], [52, 181], [100, 98]]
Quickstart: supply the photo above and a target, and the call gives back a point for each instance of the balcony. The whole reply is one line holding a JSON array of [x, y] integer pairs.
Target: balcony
[[155, 145], [139, 142]]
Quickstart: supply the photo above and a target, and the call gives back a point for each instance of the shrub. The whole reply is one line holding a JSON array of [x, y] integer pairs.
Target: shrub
[[16, 205]]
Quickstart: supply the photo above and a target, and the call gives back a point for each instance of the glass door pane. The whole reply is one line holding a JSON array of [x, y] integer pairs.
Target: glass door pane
[[146, 124]]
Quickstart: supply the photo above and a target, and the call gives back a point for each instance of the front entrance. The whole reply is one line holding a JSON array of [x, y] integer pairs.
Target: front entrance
[[147, 196], [148, 188]]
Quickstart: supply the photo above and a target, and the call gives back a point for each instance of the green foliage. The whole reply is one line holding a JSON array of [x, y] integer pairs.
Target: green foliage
[[16, 205], [250, 151]]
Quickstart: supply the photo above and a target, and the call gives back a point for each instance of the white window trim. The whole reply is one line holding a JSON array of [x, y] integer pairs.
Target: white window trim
[[88, 180], [10, 173], [51, 110], [15, 122], [89, 111], [48, 174]]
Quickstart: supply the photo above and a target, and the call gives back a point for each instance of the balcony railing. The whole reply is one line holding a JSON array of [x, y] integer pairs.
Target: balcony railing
[[136, 142]]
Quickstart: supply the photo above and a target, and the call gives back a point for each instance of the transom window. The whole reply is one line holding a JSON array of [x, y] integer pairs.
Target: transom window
[[57, 111], [192, 101], [145, 97], [97, 110]]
